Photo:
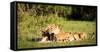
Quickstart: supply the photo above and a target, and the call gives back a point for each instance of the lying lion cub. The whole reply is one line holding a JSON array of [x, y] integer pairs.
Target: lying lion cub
[[80, 35]]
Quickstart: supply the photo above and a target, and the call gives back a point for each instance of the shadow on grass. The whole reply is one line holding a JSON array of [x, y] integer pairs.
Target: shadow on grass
[[36, 39]]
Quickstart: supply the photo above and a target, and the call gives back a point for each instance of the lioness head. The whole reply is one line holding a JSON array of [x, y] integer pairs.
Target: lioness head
[[50, 31], [53, 29]]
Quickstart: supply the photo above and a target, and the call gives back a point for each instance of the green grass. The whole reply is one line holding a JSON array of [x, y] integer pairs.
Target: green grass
[[30, 44], [30, 27]]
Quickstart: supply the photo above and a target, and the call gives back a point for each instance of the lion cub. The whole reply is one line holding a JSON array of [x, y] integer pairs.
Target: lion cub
[[80, 35]]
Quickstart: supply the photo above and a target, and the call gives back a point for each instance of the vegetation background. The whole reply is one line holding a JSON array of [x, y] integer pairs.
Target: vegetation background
[[32, 18]]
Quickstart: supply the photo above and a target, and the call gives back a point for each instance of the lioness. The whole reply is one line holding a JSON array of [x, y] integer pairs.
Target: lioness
[[54, 33]]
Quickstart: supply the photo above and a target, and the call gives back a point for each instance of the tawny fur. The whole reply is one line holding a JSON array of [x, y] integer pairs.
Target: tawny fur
[[58, 35]]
